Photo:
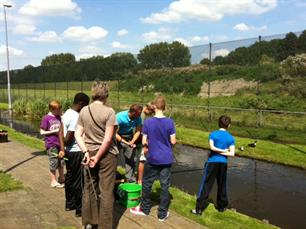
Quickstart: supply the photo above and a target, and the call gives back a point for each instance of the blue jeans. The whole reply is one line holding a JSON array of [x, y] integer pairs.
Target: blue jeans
[[152, 173]]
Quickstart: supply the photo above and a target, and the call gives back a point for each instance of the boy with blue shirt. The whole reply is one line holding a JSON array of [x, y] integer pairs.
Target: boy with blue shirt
[[222, 144], [129, 130]]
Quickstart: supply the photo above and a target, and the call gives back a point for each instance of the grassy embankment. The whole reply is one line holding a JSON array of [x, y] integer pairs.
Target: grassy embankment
[[181, 202], [7, 182]]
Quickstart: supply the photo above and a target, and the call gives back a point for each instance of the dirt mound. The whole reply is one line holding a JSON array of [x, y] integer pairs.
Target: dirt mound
[[225, 87]]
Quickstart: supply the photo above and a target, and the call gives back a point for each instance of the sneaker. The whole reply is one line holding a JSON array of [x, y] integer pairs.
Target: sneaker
[[164, 219], [137, 211], [196, 212], [57, 185]]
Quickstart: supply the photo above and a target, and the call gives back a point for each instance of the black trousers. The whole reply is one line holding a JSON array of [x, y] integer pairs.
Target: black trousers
[[73, 180], [213, 171]]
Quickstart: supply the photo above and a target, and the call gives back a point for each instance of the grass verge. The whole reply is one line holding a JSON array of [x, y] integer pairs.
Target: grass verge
[[3, 106], [8, 183], [183, 202], [285, 154]]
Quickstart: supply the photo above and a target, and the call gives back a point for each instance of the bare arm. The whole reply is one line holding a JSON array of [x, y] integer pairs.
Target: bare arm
[[69, 138], [48, 132], [225, 152], [173, 139], [78, 137], [145, 144], [136, 135]]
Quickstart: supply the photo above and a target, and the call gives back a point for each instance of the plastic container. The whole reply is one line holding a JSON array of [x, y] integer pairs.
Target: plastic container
[[130, 194]]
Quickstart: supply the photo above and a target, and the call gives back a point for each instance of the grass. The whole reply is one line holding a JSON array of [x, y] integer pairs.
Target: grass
[[183, 202], [286, 154], [8, 183], [3, 106]]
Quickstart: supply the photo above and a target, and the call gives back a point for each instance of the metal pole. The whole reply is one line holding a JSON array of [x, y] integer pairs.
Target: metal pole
[[8, 63], [208, 90]]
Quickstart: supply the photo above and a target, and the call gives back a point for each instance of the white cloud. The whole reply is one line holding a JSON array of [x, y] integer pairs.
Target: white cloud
[[243, 27], [208, 10], [200, 39], [24, 29], [66, 8], [122, 32], [12, 51], [80, 33], [88, 51], [183, 41], [162, 34], [118, 45], [46, 37], [221, 52]]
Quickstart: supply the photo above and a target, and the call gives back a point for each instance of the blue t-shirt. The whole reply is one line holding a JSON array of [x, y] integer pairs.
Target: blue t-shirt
[[126, 125], [158, 131], [222, 140]]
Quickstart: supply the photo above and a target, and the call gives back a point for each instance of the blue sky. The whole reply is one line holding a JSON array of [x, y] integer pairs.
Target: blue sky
[[37, 28]]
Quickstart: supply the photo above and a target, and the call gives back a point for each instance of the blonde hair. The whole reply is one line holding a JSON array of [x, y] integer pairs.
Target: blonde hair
[[99, 90], [160, 102], [54, 105]]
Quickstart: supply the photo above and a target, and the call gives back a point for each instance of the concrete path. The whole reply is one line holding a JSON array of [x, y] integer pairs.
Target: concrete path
[[39, 206]]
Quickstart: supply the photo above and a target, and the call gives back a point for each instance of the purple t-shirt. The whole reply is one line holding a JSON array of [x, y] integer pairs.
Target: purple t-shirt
[[158, 131], [50, 122]]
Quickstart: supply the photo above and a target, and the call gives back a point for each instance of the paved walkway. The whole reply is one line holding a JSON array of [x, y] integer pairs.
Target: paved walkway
[[39, 206]]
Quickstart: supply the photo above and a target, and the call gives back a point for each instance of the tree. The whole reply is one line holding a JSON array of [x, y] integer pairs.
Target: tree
[[205, 61], [29, 66], [302, 42], [62, 58], [163, 54]]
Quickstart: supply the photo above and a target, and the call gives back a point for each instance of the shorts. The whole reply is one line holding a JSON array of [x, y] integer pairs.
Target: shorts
[[54, 161], [142, 157]]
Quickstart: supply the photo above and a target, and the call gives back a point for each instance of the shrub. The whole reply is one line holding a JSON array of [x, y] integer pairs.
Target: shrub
[[20, 107]]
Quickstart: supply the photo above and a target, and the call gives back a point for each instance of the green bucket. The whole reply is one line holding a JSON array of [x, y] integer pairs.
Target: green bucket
[[132, 194]]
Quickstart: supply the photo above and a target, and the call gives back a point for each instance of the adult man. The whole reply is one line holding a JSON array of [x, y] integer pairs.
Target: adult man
[[129, 130], [73, 181]]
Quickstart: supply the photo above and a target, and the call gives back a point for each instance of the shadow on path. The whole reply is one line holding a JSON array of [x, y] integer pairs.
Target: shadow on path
[[35, 154]]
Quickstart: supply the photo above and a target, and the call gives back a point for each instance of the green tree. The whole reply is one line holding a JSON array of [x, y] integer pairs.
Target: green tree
[[302, 42], [205, 61], [163, 54], [62, 58]]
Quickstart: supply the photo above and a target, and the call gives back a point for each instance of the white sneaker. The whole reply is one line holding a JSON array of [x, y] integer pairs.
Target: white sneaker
[[164, 219], [57, 185], [137, 211]]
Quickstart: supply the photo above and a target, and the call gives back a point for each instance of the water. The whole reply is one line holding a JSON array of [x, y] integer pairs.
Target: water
[[258, 189]]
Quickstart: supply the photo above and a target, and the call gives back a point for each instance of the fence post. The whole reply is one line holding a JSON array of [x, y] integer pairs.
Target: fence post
[[44, 85], [208, 89], [82, 85], [258, 113], [26, 86], [55, 89], [34, 85], [67, 82], [118, 93]]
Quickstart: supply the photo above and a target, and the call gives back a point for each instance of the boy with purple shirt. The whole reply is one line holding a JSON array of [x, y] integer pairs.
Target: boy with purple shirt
[[51, 128], [158, 139]]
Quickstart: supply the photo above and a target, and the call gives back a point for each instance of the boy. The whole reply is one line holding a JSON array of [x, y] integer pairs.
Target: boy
[[51, 128], [73, 181], [158, 139], [222, 144]]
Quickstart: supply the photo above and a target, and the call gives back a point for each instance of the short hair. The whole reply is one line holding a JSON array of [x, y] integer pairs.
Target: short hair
[[54, 105], [150, 107], [160, 102], [81, 98], [135, 107], [99, 90], [224, 121]]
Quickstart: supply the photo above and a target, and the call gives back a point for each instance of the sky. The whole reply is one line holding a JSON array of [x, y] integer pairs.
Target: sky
[[85, 28]]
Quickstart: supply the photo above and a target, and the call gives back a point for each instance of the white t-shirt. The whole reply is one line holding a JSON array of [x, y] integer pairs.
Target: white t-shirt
[[70, 119]]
